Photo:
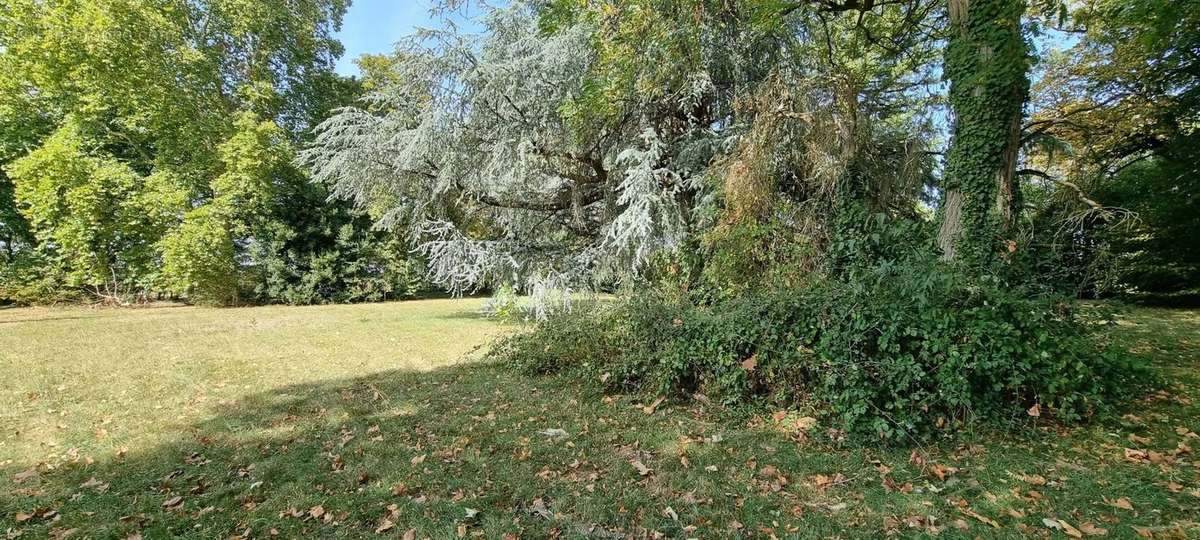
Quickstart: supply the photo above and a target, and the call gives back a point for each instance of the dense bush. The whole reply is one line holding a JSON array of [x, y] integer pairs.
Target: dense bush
[[902, 349]]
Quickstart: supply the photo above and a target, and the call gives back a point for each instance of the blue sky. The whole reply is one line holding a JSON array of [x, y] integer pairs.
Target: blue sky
[[373, 26]]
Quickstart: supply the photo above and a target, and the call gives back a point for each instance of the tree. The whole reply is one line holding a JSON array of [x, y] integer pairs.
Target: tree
[[1112, 146], [97, 214], [571, 146], [198, 104], [987, 61]]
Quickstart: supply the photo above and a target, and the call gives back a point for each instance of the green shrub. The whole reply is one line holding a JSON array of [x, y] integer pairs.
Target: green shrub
[[898, 350], [30, 278]]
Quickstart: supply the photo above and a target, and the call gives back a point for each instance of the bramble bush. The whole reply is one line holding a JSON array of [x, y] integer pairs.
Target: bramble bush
[[891, 351]]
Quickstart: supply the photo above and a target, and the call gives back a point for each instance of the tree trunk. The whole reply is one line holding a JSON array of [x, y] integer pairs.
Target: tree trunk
[[951, 228], [987, 64]]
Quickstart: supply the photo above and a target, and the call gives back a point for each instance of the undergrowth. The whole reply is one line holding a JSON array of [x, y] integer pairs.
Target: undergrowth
[[899, 350]]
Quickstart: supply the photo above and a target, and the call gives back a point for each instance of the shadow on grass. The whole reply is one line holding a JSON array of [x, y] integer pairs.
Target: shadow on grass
[[457, 447]]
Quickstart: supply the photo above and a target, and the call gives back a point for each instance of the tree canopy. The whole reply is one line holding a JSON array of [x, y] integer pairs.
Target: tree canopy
[[146, 146], [206, 150]]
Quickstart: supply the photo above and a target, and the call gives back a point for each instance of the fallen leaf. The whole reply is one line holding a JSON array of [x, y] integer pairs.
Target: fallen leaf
[[1143, 532], [1123, 503], [1069, 530], [642, 469], [1035, 479], [59, 532], [1139, 440], [1035, 411], [649, 409], [172, 502], [942, 471], [1136, 456], [980, 517], [806, 423], [317, 511], [1091, 529], [410, 534], [555, 433], [417, 460], [385, 525], [750, 363]]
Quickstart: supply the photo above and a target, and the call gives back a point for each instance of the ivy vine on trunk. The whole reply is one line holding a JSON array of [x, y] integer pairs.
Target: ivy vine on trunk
[[987, 64]]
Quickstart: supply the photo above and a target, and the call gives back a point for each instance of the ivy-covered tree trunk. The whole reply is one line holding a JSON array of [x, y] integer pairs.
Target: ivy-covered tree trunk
[[987, 64]]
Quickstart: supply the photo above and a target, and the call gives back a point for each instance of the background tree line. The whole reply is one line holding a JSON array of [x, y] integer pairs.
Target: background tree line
[[190, 149], [146, 151]]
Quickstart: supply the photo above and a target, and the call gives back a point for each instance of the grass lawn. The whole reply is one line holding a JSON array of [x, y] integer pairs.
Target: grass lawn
[[372, 421]]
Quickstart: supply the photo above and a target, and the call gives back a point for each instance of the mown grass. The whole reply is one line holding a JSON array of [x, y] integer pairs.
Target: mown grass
[[341, 421]]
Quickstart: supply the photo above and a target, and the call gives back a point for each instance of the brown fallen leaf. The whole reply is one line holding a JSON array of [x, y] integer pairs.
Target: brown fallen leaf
[[1091, 529], [750, 363], [385, 526], [417, 460], [649, 409], [942, 471], [1035, 479], [1136, 456], [410, 534], [971, 513], [642, 469], [317, 511], [1035, 411], [172, 502], [23, 517], [1122, 502], [59, 532], [1069, 530], [1143, 532], [1133, 438]]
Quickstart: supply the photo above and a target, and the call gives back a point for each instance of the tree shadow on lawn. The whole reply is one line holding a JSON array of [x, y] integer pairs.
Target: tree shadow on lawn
[[461, 451]]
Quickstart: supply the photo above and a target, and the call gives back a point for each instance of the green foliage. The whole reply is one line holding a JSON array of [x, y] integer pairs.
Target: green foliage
[[332, 259], [144, 137], [1160, 252], [987, 61], [1115, 125], [28, 277], [899, 350], [198, 259], [88, 210]]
